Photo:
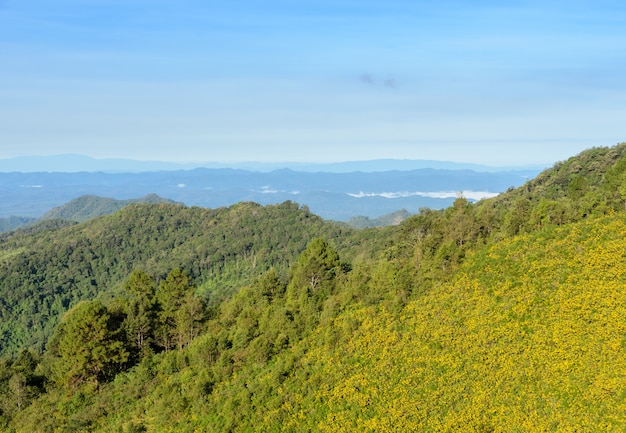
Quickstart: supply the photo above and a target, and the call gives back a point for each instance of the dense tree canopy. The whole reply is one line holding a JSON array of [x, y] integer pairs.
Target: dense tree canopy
[[88, 345], [45, 272]]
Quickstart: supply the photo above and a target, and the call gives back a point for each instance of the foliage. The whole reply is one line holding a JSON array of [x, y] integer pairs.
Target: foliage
[[86, 207], [180, 311], [527, 337], [87, 346], [13, 222], [45, 272], [474, 318], [141, 309], [394, 218]]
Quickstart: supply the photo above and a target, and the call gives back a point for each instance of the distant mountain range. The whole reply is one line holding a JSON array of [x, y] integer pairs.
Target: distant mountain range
[[337, 196], [71, 163]]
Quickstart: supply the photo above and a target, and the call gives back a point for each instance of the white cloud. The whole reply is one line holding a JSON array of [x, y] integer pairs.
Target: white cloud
[[471, 195], [268, 190]]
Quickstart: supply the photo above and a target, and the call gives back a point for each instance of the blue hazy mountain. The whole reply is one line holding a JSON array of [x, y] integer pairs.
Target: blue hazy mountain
[[332, 195], [71, 163]]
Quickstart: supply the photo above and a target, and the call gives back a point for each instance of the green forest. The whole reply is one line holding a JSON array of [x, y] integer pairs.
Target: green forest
[[504, 315]]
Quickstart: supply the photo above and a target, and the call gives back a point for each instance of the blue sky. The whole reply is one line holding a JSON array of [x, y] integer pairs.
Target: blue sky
[[492, 82]]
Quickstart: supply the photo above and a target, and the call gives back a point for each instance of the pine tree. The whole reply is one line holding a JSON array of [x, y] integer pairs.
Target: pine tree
[[88, 346]]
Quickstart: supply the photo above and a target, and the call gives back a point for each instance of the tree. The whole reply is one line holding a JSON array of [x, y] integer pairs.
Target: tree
[[270, 285], [461, 222], [615, 181], [312, 282], [517, 216], [88, 345], [23, 384], [181, 311], [141, 310], [317, 268], [188, 320]]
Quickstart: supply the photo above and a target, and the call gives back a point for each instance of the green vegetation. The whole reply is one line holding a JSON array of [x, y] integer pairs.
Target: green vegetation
[[87, 346], [507, 315], [47, 270], [11, 223], [392, 219], [80, 209], [86, 207]]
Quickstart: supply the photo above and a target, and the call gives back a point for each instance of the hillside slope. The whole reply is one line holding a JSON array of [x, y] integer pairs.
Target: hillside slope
[[591, 183], [89, 206], [462, 319], [43, 274], [11, 223], [527, 336]]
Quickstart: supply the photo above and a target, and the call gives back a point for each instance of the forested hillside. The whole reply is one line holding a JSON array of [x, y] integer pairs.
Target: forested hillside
[[79, 209], [88, 206], [507, 315], [13, 222], [592, 183], [392, 219], [45, 271]]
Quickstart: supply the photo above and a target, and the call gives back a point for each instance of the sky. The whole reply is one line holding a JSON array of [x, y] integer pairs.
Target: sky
[[489, 82]]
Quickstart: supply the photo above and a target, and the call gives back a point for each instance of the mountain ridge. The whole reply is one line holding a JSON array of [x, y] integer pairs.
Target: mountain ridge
[[84, 163], [90, 206], [336, 196]]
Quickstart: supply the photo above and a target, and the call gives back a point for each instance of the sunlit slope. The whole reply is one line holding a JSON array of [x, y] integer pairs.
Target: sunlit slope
[[530, 336]]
